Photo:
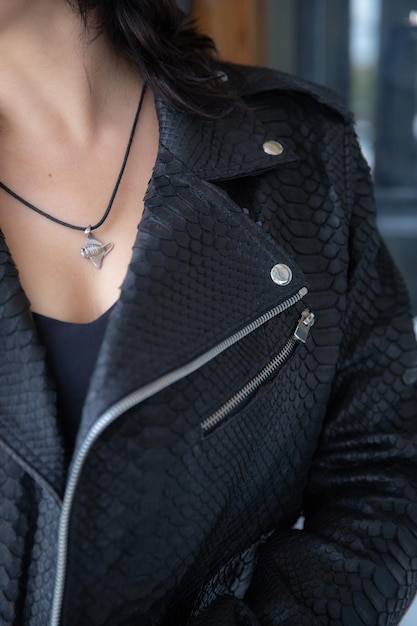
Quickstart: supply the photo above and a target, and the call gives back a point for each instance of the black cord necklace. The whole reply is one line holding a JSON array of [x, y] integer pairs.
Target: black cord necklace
[[93, 249]]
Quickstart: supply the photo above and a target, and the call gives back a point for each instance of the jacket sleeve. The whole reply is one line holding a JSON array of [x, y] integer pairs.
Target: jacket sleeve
[[355, 561]]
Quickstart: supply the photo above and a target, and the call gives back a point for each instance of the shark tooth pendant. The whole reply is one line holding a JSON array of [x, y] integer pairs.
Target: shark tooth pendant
[[94, 249]]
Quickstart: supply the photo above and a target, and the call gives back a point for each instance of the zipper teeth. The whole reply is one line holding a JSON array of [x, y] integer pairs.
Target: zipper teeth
[[277, 362], [121, 407]]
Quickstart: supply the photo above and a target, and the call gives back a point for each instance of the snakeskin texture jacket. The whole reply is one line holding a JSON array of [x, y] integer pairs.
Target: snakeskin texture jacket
[[259, 366]]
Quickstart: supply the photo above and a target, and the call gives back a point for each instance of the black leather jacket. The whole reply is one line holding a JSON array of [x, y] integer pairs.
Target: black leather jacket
[[227, 399]]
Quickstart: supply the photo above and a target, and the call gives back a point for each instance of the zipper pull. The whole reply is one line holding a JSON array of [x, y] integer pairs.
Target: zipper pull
[[304, 324]]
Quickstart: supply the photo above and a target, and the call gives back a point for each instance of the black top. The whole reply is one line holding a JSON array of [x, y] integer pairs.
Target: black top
[[71, 352]]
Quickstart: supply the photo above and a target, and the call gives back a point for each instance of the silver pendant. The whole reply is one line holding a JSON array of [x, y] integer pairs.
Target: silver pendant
[[95, 250]]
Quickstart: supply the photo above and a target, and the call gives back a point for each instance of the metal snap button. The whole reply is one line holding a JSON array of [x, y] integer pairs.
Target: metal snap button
[[274, 148], [281, 274]]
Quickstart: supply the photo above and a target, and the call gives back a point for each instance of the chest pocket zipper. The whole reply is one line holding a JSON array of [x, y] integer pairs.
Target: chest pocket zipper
[[299, 335]]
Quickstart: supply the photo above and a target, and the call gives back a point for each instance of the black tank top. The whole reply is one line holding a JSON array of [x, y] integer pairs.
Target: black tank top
[[71, 354]]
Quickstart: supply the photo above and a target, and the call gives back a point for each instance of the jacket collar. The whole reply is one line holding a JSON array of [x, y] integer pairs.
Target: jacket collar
[[220, 149], [249, 81], [232, 146]]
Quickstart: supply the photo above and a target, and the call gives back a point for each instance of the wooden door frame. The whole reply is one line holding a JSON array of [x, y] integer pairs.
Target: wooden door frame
[[237, 27]]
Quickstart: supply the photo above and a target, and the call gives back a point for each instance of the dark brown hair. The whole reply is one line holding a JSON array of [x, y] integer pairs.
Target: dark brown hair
[[176, 60]]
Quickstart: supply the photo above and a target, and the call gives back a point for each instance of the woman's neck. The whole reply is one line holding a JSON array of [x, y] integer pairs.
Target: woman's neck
[[57, 81]]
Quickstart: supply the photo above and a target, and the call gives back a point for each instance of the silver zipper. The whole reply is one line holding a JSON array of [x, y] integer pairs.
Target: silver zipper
[[299, 336], [121, 407]]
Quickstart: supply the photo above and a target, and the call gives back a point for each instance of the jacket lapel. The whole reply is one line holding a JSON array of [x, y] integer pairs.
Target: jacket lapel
[[200, 269], [28, 425]]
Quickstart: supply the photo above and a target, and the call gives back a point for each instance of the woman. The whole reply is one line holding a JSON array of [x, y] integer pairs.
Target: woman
[[167, 414]]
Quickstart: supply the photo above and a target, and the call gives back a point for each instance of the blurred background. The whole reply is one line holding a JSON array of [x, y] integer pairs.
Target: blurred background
[[367, 51]]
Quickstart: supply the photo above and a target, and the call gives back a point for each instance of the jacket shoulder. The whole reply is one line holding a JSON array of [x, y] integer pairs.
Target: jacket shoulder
[[250, 80]]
